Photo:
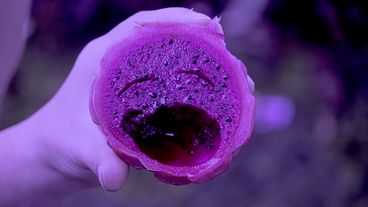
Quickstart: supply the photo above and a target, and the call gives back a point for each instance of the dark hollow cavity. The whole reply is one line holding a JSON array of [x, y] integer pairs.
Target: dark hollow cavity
[[179, 135]]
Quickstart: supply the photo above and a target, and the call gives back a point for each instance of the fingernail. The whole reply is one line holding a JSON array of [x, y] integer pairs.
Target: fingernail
[[100, 178]]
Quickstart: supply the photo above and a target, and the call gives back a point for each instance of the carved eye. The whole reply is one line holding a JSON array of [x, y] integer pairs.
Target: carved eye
[[139, 80], [198, 73]]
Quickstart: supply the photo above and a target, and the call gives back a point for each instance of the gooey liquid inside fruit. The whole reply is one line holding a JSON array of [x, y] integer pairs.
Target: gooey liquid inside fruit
[[180, 134]]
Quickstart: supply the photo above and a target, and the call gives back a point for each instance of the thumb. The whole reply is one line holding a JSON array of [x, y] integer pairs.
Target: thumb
[[112, 172]]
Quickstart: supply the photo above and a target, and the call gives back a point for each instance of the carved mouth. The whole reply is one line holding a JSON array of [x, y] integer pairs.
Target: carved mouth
[[178, 134]]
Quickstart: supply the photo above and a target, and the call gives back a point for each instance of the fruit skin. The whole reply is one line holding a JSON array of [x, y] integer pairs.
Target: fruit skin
[[127, 32]]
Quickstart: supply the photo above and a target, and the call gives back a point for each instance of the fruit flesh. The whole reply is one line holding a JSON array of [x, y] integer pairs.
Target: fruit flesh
[[165, 68], [153, 64]]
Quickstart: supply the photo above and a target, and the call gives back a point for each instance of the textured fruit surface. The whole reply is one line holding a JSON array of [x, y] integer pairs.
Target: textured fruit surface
[[173, 100]]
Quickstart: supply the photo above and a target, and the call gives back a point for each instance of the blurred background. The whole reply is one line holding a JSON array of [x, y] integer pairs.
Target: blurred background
[[309, 60]]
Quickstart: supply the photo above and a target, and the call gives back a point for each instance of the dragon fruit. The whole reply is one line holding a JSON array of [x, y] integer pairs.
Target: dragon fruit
[[172, 99]]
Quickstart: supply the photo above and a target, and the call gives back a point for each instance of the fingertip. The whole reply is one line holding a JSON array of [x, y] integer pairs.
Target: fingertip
[[250, 83], [112, 174]]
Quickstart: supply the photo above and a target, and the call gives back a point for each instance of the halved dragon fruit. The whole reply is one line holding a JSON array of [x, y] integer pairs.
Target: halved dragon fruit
[[172, 99]]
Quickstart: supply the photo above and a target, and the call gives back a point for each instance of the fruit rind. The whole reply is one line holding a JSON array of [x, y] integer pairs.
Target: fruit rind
[[215, 166]]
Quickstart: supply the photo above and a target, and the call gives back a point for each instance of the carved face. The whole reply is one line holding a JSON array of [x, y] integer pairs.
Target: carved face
[[170, 94]]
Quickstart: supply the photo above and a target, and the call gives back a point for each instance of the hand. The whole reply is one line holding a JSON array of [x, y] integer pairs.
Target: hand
[[59, 149]]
